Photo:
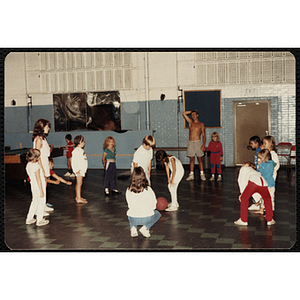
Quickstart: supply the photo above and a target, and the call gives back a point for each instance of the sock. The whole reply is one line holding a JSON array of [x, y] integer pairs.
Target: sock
[[212, 175], [201, 172], [191, 173]]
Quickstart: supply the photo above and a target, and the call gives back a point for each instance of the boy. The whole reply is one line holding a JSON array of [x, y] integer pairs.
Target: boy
[[143, 156], [52, 173], [69, 148]]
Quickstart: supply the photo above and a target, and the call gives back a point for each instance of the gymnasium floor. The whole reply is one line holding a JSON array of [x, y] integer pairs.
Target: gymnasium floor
[[204, 220]]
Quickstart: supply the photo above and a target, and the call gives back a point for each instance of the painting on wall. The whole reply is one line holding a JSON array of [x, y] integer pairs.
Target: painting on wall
[[93, 111]]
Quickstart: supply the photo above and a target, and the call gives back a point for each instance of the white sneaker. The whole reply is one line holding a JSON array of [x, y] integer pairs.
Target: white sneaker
[[271, 222], [190, 177], [28, 222], [47, 208], [71, 175], [219, 178], [42, 223], [212, 178], [240, 222], [254, 207], [67, 174], [106, 191], [45, 214], [203, 178], [133, 232], [171, 208], [170, 204], [145, 232]]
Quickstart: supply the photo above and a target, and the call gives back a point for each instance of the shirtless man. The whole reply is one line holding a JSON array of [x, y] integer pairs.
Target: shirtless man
[[195, 145]]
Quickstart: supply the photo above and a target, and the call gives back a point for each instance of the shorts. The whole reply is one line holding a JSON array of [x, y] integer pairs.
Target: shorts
[[81, 174], [194, 148]]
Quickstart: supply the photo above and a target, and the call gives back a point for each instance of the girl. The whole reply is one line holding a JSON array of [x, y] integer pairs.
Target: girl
[[174, 165], [141, 202], [69, 149], [79, 166], [38, 189], [40, 131], [250, 181], [216, 155], [108, 160]]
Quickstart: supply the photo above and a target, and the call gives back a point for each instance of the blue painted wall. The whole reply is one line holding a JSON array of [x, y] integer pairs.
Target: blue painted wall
[[165, 119]]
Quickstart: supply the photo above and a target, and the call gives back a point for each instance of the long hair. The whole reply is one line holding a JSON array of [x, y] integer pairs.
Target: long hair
[[271, 140], [138, 181], [162, 156], [107, 140], [38, 129], [215, 134]]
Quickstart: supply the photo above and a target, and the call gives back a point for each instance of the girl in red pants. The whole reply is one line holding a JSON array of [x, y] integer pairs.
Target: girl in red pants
[[250, 181]]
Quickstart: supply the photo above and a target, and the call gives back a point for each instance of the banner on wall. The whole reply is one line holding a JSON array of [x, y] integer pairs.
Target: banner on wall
[[93, 111]]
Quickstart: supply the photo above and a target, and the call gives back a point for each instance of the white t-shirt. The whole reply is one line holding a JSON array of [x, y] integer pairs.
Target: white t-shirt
[[143, 158], [275, 158], [141, 204], [31, 168], [79, 161], [45, 153]]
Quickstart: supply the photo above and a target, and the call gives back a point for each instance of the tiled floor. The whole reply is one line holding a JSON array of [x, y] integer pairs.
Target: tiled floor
[[204, 220]]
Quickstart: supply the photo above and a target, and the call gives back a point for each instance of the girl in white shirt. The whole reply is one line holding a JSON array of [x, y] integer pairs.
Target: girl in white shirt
[[141, 202], [79, 166], [38, 189], [173, 165]]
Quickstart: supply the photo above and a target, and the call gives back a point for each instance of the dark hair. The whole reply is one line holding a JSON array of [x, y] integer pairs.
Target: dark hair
[[68, 137], [138, 181], [78, 139], [265, 154], [162, 156], [33, 154], [254, 139], [50, 159], [149, 140], [251, 164], [38, 129], [195, 111]]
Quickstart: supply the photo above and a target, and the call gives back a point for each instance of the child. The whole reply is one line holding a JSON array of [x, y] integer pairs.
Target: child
[[216, 155], [143, 156], [269, 144], [108, 160], [79, 166], [40, 131], [69, 149], [254, 144], [52, 173], [250, 181], [171, 163], [141, 202], [38, 189]]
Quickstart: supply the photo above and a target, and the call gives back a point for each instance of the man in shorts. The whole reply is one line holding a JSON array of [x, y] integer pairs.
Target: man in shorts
[[195, 145]]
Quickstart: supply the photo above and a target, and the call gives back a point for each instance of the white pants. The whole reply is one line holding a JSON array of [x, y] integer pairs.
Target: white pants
[[37, 206], [173, 189]]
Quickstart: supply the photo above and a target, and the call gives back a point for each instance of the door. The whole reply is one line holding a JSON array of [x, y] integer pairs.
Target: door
[[251, 118]]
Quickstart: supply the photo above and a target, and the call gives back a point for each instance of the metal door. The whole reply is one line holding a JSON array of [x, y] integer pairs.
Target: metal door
[[251, 118]]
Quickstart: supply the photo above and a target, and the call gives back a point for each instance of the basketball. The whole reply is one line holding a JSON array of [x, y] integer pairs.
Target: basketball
[[162, 203]]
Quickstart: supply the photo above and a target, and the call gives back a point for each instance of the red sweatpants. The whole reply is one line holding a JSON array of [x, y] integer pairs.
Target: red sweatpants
[[250, 189]]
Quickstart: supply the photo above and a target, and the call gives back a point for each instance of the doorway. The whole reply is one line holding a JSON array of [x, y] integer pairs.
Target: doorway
[[250, 118]]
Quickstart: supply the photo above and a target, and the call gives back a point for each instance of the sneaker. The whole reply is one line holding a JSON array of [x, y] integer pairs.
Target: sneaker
[[254, 207], [42, 223], [219, 178], [28, 222], [271, 222], [47, 208], [45, 214], [145, 232], [212, 178], [240, 222], [171, 208], [106, 191], [67, 174], [170, 204], [190, 177], [72, 175], [133, 232], [116, 192], [49, 205], [203, 178]]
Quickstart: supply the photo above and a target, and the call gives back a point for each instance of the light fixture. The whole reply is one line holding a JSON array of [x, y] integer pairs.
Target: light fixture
[[29, 100], [13, 102]]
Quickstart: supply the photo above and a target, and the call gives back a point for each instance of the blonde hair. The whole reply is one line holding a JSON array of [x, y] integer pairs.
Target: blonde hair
[[33, 155], [264, 155], [149, 140], [271, 140], [106, 141], [215, 134]]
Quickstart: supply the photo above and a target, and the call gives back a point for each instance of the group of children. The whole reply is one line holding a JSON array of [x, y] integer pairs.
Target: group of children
[[256, 180]]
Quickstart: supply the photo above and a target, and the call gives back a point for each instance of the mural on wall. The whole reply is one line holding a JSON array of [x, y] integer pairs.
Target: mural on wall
[[94, 111]]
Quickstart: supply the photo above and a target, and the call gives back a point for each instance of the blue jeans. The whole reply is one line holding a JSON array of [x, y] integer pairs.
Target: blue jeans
[[148, 222]]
